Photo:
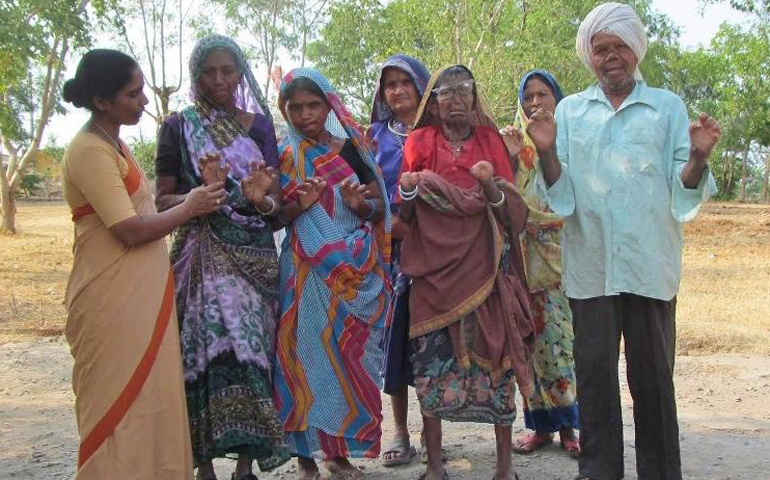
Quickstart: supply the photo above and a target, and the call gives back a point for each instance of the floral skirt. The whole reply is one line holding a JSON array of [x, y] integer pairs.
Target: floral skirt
[[448, 391], [552, 406]]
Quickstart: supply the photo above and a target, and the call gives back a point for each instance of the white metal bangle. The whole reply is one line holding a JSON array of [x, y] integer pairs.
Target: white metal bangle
[[499, 202], [272, 207], [406, 196]]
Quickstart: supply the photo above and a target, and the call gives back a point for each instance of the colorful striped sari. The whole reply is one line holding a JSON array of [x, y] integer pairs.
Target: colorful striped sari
[[335, 301]]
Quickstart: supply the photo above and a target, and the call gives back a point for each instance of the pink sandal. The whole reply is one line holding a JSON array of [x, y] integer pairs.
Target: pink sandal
[[531, 442], [570, 444]]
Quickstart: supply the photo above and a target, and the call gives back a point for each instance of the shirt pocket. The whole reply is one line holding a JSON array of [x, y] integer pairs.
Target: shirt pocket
[[645, 149]]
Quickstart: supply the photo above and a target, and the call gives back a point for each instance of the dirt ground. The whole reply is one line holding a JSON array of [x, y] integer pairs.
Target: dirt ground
[[724, 422], [722, 373]]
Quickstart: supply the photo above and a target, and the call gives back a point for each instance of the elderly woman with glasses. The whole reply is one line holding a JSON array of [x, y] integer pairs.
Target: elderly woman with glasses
[[470, 322]]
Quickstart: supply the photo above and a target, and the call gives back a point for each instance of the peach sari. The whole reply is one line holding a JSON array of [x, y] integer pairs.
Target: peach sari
[[127, 376]]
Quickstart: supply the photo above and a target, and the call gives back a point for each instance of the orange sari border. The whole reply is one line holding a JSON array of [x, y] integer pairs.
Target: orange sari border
[[119, 408], [132, 181]]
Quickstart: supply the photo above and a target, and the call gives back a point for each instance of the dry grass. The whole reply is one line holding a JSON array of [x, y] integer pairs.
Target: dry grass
[[724, 301], [34, 266]]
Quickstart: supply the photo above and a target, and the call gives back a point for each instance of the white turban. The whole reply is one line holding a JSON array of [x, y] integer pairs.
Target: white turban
[[614, 19]]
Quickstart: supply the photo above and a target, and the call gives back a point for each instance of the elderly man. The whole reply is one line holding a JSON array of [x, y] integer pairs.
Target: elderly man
[[625, 171]]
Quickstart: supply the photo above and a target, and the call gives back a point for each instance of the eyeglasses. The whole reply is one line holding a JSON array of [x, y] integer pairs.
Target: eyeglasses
[[446, 92]]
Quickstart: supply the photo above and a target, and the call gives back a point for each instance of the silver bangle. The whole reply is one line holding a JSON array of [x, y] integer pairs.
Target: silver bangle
[[499, 202], [406, 196], [272, 207]]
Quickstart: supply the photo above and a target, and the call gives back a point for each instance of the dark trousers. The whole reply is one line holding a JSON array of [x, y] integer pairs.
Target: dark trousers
[[648, 327]]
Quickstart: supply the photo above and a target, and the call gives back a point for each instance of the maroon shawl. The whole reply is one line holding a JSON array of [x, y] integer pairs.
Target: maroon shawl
[[452, 252]]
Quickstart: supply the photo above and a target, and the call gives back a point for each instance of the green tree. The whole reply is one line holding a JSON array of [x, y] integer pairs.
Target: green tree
[[153, 33], [499, 40], [270, 29], [759, 28], [745, 100], [144, 153], [34, 54]]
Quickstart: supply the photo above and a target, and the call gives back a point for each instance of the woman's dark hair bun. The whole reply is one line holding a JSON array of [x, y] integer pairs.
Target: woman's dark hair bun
[[101, 73], [71, 92]]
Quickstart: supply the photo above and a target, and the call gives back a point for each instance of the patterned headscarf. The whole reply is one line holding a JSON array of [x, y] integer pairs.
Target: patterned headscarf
[[339, 123], [248, 96], [614, 19]]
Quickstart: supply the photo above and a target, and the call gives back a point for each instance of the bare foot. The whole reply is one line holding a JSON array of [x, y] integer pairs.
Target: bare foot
[[341, 467], [308, 470], [434, 474]]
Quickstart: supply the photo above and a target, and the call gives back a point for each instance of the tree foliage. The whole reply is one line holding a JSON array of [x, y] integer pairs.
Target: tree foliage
[[31, 68], [151, 31]]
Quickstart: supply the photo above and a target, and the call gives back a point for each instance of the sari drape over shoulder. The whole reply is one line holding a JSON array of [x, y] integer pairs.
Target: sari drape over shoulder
[[127, 374], [552, 406]]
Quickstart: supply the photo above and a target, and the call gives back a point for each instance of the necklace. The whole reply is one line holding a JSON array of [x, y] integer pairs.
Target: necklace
[[399, 129], [457, 145], [115, 144]]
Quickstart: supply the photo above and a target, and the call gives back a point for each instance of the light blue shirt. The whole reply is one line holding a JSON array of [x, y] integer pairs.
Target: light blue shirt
[[621, 193]]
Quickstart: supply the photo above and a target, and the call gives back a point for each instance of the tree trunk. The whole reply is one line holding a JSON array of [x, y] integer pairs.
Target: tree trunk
[[766, 178], [744, 172], [8, 203]]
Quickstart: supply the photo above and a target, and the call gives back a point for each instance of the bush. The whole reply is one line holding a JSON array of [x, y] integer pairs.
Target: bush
[[30, 183], [144, 153]]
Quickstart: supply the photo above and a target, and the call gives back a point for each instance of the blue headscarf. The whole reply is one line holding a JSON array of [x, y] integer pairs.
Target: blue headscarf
[[544, 76], [407, 64], [390, 146]]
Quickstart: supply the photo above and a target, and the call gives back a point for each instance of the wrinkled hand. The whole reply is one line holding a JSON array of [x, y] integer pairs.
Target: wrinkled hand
[[309, 192], [257, 185], [212, 170], [704, 134], [409, 181], [205, 199], [353, 194], [542, 129], [514, 140], [483, 171]]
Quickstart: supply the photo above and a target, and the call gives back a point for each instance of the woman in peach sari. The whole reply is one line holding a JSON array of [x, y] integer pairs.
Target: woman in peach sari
[[127, 374]]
